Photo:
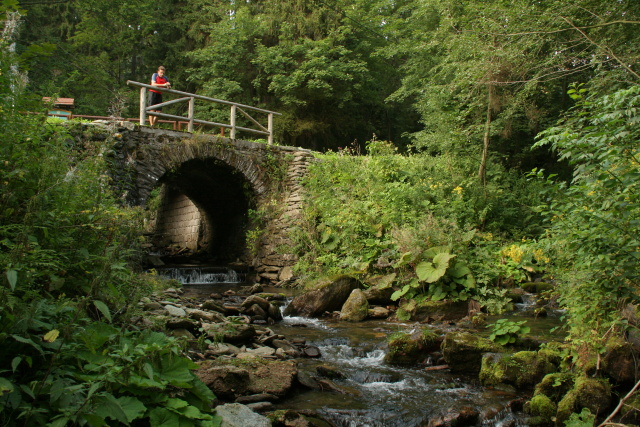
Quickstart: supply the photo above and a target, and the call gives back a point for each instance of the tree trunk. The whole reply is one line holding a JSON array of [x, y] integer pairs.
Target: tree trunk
[[482, 172]]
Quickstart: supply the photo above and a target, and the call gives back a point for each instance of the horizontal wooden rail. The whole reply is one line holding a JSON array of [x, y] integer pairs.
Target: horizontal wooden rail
[[147, 110]]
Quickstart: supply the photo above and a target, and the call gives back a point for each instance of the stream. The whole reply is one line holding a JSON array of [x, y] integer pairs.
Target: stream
[[370, 392]]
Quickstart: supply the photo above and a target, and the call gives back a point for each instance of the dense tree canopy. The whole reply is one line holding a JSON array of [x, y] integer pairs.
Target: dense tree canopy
[[439, 75]]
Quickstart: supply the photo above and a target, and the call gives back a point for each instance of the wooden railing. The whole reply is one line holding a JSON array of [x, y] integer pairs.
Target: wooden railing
[[236, 108]]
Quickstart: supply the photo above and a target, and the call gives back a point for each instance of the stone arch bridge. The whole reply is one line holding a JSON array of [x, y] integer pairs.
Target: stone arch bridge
[[209, 190]]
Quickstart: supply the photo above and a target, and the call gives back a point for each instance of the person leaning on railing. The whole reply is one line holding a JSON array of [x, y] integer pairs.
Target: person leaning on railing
[[158, 79]]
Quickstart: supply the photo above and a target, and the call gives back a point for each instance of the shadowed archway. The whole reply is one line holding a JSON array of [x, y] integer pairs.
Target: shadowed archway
[[204, 207]]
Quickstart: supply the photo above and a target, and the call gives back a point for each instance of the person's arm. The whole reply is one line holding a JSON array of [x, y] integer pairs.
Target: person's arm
[[153, 81]]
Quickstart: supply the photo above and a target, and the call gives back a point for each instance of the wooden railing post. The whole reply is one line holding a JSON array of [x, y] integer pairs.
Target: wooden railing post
[[232, 122], [143, 105], [192, 102], [270, 128]]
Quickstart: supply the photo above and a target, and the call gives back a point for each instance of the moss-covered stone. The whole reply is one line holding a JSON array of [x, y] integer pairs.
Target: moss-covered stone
[[619, 362], [463, 351], [327, 296], [356, 308], [523, 369], [555, 385], [543, 407], [591, 393], [429, 311], [410, 349]]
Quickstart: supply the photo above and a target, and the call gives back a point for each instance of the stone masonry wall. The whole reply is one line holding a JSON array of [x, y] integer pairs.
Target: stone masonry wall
[[276, 249], [179, 222]]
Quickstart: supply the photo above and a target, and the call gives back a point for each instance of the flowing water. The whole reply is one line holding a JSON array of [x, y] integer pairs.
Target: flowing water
[[371, 392], [376, 394]]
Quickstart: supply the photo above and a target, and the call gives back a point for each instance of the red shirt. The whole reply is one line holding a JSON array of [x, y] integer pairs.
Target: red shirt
[[159, 80]]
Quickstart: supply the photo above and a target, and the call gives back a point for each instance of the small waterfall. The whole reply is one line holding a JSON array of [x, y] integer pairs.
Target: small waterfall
[[528, 302], [202, 276]]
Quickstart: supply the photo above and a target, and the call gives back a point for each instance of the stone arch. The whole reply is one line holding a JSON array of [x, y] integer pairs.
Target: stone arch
[[205, 207], [163, 155]]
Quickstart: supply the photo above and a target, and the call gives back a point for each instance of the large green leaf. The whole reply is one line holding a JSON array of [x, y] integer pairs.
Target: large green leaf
[[432, 272], [132, 407]]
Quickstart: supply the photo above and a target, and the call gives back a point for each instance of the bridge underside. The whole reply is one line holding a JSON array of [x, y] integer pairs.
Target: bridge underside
[[204, 208]]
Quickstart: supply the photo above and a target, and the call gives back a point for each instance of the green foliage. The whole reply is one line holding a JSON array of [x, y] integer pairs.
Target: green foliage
[[61, 368], [594, 221], [506, 331], [67, 289], [414, 216], [583, 419]]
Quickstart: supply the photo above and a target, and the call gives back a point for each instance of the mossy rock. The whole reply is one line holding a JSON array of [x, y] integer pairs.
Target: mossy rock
[[463, 351], [328, 296], [410, 349], [591, 393], [542, 408], [537, 287], [356, 308], [555, 385], [230, 332], [429, 311], [523, 369], [618, 362]]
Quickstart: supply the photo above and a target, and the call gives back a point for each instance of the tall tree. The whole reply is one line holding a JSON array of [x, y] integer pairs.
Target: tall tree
[[487, 77]]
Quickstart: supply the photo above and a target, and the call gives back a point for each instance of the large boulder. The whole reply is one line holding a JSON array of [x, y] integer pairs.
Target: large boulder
[[255, 376], [328, 297], [356, 308], [226, 381], [463, 351], [591, 393], [523, 369], [445, 310], [411, 349]]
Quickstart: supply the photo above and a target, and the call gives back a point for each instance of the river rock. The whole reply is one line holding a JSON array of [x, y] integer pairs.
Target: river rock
[[274, 377], [274, 312], [377, 295], [461, 417], [152, 306], [182, 323], [256, 312], [523, 369], [379, 313], [260, 406], [254, 398], [411, 349], [207, 316], [220, 349], [226, 381], [255, 299], [230, 332], [238, 415], [311, 351], [356, 308], [262, 351], [430, 311], [212, 305], [463, 351], [175, 311], [328, 297], [591, 393]]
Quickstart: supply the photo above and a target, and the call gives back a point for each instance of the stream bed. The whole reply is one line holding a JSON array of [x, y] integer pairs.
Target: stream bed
[[369, 392], [377, 394]]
